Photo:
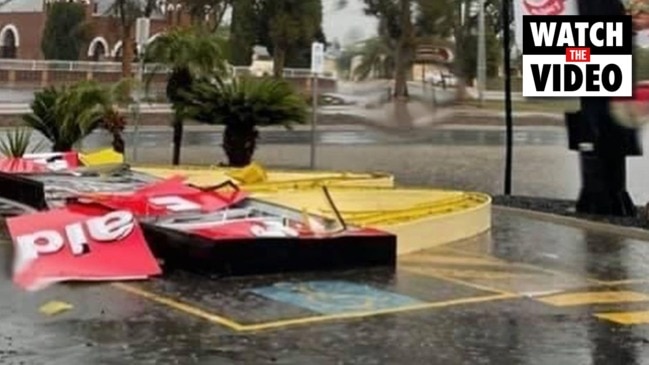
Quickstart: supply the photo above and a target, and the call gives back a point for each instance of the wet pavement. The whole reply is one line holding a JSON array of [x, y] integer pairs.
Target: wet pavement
[[352, 135], [355, 136], [528, 292]]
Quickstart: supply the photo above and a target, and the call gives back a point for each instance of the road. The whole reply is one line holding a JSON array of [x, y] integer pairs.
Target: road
[[351, 136], [362, 93], [458, 157]]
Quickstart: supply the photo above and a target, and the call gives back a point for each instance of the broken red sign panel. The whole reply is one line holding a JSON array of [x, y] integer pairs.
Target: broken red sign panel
[[56, 161], [12, 165], [97, 237], [79, 243], [167, 197], [213, 214], [40, 163], [268, 227]]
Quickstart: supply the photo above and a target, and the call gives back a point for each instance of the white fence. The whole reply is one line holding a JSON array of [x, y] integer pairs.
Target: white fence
[[116, 67]]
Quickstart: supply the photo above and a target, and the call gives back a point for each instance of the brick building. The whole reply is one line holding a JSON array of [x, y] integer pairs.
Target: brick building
[[22, 23]]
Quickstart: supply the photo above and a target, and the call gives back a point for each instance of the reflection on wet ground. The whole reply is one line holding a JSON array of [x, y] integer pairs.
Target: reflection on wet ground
[[530, 292]]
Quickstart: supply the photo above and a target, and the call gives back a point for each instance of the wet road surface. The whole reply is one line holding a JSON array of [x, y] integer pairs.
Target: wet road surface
[[357, 136], [535, 136], [465, 158], [529, 292]]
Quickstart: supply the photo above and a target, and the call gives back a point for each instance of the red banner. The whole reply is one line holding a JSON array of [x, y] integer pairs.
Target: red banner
[[79, 243]]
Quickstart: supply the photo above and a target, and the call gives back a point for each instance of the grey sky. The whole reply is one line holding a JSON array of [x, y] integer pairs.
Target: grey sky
[[349, 24]]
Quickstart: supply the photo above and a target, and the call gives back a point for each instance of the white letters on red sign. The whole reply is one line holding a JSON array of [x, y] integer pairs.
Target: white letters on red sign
[[111, 227], [175, 203], [273, 229]]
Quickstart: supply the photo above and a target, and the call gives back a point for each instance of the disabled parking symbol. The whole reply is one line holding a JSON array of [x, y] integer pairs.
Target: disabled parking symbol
[[334, 297]]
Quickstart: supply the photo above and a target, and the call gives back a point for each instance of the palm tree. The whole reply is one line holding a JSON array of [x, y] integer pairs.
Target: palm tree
[[18, 142], [114, 123], [126, 12], [209, 13], [189, 53], [67, 114], [242, 105], [377, 58]]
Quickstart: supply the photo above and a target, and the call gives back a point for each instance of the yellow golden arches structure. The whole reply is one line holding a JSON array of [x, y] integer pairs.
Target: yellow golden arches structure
[[421, 217]]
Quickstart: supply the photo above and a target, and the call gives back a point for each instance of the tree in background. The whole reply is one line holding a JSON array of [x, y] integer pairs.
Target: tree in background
[[470, 55], [284, 24], [285, 27], [65, 115], [242, 105], [299, 53], [397, 28], [344, 62], [459, 18], [243, 32], [207, 13], [190, 53], [65, 33], [440, 19], [377, 59], [435, 18], [127, 12]]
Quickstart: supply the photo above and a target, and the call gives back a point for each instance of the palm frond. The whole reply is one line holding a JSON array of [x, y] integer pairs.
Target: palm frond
[[376, 56], [120, 91], [190, 52], [245, 102], [18, 142], [66, 115]]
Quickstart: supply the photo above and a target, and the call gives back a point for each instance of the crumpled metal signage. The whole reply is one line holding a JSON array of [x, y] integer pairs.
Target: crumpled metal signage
[[79, 243], [93, 230]]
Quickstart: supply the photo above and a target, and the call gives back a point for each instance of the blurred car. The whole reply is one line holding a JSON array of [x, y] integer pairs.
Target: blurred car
[[441, 79]]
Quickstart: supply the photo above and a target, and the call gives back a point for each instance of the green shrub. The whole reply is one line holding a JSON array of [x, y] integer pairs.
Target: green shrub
[[17, 143], [242, 105]]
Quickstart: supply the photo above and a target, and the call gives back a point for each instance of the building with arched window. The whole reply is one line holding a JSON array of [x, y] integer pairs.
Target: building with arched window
[[22, 23], [9, 41]]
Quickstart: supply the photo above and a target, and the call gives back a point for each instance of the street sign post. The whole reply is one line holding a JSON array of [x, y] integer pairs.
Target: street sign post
[[317, 68], [509, 123], [142, 31]]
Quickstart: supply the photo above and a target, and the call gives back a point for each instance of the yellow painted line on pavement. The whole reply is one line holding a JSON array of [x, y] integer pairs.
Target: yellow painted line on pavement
[[520, 264], [474, 274], [624, 282], [424, 258], [432, 273], [597, 297], [625, 318], [182, 307], [356, 315], [216, 319]]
